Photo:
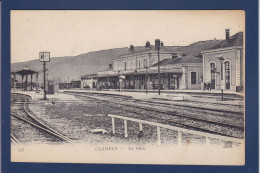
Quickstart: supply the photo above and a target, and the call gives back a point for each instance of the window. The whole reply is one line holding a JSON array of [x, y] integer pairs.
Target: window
[[130, 64], [125, 65], [174, 56], [193, 77], [212, 75], [145, 63], [139, 64], [221, 71], [227, 74]]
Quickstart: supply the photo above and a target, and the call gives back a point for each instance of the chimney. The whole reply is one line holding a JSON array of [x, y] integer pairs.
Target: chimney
[[131, 49], [147, 45], [227, 34], [157, 44]]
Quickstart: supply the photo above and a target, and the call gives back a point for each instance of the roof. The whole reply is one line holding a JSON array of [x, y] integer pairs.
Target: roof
[[181, 60], [25, 71], [235, 40], [144, 50], [89, 75]]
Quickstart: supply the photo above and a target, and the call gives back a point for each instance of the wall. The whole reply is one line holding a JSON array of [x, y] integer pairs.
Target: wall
[[198, 69], [88, 82], [132, 62]]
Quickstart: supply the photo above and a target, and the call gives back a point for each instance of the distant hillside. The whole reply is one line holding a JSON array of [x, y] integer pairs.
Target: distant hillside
[[72, 67]]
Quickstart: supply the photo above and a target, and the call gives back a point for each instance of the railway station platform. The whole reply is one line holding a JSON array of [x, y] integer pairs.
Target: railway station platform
[[180, 95], [214, 97], [202, 92]]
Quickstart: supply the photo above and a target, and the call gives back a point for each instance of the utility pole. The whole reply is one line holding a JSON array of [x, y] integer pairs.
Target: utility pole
[[44, 57], [44, 82], [157, 46], [146, 79]]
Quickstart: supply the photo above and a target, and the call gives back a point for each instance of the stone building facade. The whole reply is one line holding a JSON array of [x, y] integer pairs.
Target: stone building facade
[[139, 70], [223, 65]]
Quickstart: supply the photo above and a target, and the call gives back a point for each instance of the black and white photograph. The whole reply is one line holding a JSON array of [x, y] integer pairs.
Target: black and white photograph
[[128, 86]]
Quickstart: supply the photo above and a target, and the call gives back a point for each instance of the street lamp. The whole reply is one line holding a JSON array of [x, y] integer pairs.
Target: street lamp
[[119, 80], [14, 81], [47, 73], [221, 59], [157, 47], [26, 76], [37, 84]]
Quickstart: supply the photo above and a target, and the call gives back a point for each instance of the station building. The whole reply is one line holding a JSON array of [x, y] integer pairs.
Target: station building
[[139, 70], [223, 65]]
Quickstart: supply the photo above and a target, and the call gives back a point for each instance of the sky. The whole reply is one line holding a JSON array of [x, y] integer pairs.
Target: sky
[[74, 32]]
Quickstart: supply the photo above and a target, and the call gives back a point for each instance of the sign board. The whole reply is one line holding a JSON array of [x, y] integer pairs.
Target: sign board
[[44, 56]]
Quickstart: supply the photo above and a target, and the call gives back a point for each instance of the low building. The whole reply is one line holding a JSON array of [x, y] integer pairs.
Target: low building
[[179, 73], [108, 79], [223, 65], [89, 81]]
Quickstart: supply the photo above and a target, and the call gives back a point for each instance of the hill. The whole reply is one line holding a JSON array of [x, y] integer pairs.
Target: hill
[[72, 67]]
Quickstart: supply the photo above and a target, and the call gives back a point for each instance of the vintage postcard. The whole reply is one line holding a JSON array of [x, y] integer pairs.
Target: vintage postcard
[[128, 86]]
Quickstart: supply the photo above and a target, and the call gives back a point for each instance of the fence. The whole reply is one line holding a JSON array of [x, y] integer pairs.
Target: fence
[[178, 129]]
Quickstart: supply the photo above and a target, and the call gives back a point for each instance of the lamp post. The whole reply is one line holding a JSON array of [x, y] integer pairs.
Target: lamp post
[[146, 79], [221, 59], [26, 76], [47, 88], [14, 81], [44, 81], [37, 85], [119, 80], [157, 47]]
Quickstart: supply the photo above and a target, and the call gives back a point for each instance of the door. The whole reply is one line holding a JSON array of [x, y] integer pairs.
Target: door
[[227, 75], [212, 75], [50, 89]]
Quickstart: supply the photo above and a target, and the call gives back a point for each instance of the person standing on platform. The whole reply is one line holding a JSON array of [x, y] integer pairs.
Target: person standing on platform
[[209, 86], [202, 86]]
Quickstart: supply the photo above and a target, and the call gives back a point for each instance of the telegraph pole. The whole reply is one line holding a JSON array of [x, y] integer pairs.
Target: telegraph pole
[[146, 80], [157, 46], [44, 82], [44, 57]]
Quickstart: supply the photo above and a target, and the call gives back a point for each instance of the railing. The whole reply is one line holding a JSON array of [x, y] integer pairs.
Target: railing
[[178, 129]]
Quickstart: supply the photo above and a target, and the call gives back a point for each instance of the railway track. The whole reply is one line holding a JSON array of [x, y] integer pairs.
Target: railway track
[[181, 120], [15, 141], [180, 105], [215, 112], [23, 115]]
